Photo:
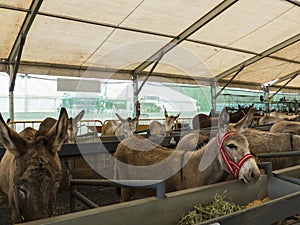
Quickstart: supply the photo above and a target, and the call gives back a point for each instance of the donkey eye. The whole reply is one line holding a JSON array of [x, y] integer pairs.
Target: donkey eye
[[232, 146], [22, 193]]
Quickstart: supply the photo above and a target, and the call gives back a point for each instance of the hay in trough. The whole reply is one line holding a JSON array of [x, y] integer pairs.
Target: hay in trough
[[218, 207]]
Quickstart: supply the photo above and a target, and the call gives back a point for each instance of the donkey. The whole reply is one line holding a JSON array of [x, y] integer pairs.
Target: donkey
[[291, 127], [268, 142], [267, 119], [202, 121], [72, 126], [30, 170], [276, 117], [68, 164], [192, 141], [124, 127], [165, 129], [284, 116], [140, 159]]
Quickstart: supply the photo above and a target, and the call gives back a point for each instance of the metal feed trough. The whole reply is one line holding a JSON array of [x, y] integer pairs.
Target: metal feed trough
[[284, 195]]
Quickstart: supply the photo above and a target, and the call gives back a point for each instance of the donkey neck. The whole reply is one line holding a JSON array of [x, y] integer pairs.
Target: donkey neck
[[213, 172], [216, 169]]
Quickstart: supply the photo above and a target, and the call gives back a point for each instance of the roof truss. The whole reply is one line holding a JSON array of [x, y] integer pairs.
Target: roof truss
[[186, 36]]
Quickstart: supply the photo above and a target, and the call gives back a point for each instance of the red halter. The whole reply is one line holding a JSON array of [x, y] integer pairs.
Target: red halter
[[232, 166]]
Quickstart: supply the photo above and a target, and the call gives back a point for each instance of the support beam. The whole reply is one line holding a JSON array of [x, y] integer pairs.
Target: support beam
[[213, 90], [34, 8], [14, 58], [294, 2], [230, 48], [219, 92], [186, 33], [149, 74], [15, 66], [135, 83], [290, 79], [291, 75], [11, 97], [264, 54]]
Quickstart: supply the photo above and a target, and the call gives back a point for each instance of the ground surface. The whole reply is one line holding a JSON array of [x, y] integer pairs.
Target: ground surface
[[100, 195]]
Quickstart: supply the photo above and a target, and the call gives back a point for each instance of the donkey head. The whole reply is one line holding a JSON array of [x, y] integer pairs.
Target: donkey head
[[237, 147], [170, 122], [232, 149], [73, 127], [33, 168], [127, 127]]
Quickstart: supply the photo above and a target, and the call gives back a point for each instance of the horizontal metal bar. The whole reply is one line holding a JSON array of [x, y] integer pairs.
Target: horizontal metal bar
[[9, 7], [104, 146], [278, 154], [158, 185], [240, 50], [68, 150], [76, 19], [84, 199], [289, 179], [116, 183]]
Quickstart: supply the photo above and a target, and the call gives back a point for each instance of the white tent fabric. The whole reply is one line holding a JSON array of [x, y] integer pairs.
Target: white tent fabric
[[97, 38]]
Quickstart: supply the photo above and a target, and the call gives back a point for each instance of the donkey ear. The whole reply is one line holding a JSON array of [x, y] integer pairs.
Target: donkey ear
[[245, 121], [176, 117], [11, 140], [165, 112], [58, 132], [223, 122], [120, 118], [79, 116]]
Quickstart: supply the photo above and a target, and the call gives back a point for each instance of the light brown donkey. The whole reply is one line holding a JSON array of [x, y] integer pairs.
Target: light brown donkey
[[140, 159], [72, 126], [30, 170], [122, 128]]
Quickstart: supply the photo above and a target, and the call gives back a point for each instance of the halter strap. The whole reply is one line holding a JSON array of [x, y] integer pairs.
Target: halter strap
[[231, 165]]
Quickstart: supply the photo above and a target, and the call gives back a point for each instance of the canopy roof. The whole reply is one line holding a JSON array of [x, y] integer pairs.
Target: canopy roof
[[247, 42]]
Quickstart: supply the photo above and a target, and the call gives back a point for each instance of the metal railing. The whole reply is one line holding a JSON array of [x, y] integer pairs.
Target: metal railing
[[143, 123], [158, 185], [84, 125], [22, 124]]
